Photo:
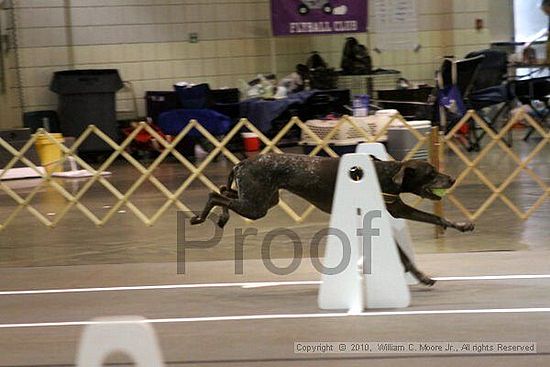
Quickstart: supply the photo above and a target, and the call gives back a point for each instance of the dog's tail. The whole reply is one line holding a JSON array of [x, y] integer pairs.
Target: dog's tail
[[231, 177]]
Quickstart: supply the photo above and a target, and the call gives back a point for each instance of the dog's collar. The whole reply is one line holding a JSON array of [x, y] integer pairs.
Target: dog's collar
[[390, 198]]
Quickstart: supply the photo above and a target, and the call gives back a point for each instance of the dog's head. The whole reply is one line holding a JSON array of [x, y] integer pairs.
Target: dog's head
[[421, 178]]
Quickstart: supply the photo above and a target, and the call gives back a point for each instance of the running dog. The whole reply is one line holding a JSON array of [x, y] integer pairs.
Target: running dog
[[259, 179]]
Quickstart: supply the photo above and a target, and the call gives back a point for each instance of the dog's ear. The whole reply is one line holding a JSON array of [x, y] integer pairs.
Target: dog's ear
[[374, 159], [400, 175]]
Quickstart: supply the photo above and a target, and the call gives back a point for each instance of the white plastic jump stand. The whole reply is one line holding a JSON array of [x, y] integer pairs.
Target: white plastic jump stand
[[384, 286], [399, 227], [129, 335]]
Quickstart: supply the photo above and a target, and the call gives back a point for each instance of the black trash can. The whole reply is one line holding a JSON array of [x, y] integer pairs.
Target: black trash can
[[87, 97]]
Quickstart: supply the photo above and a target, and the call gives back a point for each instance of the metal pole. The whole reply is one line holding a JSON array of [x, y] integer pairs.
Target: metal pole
[[14, 27], [69, 33], [273, 51], [3, 39]]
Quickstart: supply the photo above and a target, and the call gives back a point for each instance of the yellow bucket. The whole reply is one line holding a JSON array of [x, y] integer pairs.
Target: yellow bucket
[[50, 154]]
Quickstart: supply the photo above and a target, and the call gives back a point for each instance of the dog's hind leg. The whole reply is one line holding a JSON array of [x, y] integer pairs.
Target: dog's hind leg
[[251, 210], [230, 193], [255, 209], [274, 199], [224, 218], [214, 199], [409, 267], [248, 211], [227, 190]]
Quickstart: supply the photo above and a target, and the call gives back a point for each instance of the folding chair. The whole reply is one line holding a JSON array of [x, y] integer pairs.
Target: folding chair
[[528, 91], [454, 83], [490, 90], [479, 83], [492, 71]]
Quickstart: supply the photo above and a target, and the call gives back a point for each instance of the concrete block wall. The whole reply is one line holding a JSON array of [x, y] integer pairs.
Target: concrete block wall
[[465, 37], [9, 113], [148, 41]]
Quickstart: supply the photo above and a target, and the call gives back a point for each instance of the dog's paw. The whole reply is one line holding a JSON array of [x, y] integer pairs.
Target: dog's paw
[[223, 221], [465, 226], [427, 281], [196, 220]]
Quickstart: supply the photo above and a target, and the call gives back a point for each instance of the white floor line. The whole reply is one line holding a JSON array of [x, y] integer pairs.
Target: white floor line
[[495, 277], [247, 285], [286, 316], [158, 287]]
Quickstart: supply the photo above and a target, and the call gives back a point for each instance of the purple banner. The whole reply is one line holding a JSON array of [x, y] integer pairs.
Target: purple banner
[[293, 17]]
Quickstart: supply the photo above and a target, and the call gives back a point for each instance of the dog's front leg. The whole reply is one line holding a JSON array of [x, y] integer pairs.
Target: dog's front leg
[[399, 209]]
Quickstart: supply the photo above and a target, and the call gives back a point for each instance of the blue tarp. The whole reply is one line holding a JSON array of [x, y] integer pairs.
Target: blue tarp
[[262, 112]]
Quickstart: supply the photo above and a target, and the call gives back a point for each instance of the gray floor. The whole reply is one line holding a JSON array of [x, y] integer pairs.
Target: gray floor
[[269, 342], [125, 252]]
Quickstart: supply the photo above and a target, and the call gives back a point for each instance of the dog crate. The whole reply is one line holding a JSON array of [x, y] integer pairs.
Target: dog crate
[[347, 134], [384, 81], [411, 103], [368, 83], [401, 140], [356, 84]]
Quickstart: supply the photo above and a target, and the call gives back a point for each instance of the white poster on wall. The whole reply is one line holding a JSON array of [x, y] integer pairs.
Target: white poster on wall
[[396, 24]]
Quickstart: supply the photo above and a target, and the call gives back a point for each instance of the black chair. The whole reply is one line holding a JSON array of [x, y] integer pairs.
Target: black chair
[[226, 101], [193, 97], [157, 102], [47, 119], [17, 138]]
